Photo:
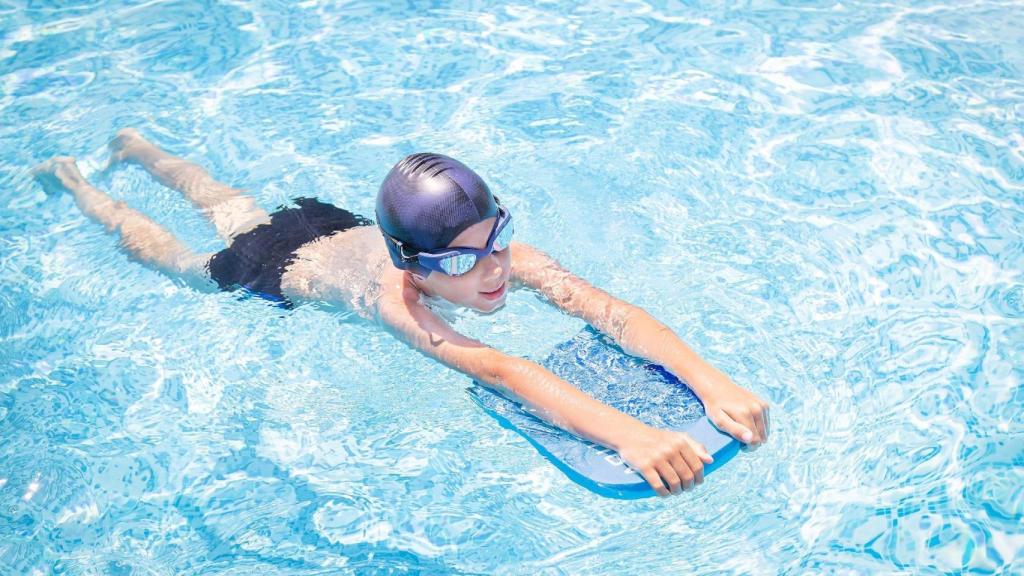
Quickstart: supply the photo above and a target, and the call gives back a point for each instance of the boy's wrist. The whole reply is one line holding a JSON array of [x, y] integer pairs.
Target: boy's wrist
[[698, 375], [608, 426], [628, 430]]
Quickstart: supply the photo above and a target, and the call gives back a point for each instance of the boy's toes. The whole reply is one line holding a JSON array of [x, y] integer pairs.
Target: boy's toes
[[54, 174], [121, 147], [52, 165], [45, 174], [128, 133]]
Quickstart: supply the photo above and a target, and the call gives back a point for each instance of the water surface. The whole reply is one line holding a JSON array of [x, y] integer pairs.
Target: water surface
[[824, 201]]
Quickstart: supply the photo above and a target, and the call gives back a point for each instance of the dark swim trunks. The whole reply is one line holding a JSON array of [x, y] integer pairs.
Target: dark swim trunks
[[257, 259]]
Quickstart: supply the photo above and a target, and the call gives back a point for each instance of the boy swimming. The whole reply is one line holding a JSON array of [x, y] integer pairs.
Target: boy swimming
[[440, 236]]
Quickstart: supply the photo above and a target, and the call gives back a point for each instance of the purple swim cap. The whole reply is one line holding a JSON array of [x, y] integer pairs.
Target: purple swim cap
[[427, 200]]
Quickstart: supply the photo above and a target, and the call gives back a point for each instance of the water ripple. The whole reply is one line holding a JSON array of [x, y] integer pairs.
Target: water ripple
[[823, 201]]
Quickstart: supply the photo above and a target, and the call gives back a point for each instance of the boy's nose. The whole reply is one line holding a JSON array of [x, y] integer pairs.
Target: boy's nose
[[495, 270]]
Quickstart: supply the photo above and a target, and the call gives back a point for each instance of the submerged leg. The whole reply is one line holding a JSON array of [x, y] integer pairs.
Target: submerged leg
[[231, 211], [145, 240]]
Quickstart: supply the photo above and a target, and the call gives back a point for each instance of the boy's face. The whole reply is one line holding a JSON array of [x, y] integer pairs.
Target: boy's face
[[489, 273]]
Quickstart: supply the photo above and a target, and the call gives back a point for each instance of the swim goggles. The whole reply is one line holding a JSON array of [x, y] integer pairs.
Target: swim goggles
[[457, 260]]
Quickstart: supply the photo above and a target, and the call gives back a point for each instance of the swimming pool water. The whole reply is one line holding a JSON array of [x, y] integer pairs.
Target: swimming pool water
[[825, 200]]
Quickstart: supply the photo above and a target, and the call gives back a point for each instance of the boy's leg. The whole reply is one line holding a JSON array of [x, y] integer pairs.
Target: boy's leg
[[231, 211], [144, 239]]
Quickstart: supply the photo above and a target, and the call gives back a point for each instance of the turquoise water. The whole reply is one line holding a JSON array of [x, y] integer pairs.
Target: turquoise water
[[824, 200]]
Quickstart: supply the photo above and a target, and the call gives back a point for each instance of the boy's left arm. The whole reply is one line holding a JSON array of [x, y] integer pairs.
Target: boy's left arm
[[735, 410]]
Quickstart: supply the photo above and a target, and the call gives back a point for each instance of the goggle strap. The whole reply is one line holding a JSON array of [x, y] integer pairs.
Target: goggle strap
[[401, 252], [401, 249]]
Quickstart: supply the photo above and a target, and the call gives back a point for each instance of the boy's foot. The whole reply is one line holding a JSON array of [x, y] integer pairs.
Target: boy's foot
[[125, 147], [58, 174]]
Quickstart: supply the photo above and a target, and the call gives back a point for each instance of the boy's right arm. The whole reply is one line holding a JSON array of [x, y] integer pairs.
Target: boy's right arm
[[653, 452]]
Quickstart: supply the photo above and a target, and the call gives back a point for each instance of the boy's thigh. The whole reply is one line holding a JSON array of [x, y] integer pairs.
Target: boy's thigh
[[194, 269], [236, 215]]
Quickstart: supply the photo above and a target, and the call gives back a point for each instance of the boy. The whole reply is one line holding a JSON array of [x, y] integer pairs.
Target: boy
[[445, 238]]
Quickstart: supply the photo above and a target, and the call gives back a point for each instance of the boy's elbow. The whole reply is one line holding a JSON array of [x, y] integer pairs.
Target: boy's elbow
[[498, 369], [497, 364]]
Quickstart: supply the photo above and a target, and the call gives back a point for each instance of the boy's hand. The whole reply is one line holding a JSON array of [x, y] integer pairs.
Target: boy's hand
[[665, 454], [735, 410]]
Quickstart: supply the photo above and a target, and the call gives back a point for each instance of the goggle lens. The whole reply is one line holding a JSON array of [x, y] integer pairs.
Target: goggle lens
[[459, 264], [504, 238]]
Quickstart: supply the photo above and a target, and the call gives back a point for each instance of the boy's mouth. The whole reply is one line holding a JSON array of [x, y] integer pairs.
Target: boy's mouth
[[495, 294]]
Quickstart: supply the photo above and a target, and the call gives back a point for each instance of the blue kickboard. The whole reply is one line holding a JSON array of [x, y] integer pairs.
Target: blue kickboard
[[593, 363]]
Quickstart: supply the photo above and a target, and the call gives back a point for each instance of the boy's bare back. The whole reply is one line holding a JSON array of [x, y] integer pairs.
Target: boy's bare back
[[349, 268]]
